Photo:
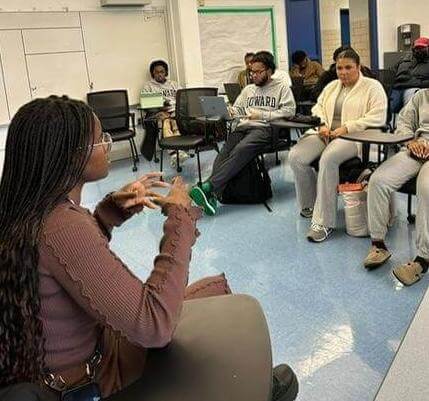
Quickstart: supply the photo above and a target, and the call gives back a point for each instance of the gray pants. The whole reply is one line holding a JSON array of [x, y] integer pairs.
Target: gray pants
[[389, 177], [242, 146], [319, 191]]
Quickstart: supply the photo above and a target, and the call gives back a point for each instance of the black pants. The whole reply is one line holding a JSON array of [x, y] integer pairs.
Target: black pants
[[242, 146]]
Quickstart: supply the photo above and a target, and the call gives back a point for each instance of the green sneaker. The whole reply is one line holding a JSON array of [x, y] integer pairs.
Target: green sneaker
[[203, 200], [213, 202]]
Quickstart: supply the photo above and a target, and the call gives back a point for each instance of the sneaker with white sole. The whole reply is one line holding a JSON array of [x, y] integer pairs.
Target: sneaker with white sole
[[183, 156], [318, 233], [307, 212], [203, 200], [376, 257]]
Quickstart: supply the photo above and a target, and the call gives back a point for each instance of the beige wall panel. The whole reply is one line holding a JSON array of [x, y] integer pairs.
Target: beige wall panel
[[4, 112], [58, 74], [52, 40], [39, 20], [119, 47], [14, 68]]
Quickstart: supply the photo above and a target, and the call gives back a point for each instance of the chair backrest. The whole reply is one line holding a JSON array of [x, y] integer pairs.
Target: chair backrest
[[112, 108], [386, 78], [188, 107], [298, 88], [232, 90]]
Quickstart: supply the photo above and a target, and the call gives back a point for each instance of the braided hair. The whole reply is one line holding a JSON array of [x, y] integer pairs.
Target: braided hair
[[46, 153]]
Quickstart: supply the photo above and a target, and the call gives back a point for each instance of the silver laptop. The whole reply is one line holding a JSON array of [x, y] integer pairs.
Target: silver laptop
[[215, 107]]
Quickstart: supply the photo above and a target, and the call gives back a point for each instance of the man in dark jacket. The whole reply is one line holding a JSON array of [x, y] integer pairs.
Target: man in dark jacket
[[411, 73]]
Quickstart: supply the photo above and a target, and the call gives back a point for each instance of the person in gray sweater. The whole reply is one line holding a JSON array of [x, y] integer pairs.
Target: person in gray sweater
[[260, 103], [160, 83], [410, 162]]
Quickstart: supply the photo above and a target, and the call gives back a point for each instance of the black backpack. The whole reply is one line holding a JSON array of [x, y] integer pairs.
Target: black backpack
[[251, 185]]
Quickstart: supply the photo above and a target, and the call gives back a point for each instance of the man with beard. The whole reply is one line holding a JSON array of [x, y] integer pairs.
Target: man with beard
[[160, 83], [263, 101], [411, 74]]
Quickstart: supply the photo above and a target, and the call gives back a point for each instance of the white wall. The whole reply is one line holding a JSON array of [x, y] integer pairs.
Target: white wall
[[185, 37], [330, 27], [67, 8], [58, 5], [392, 13], [359, 29]]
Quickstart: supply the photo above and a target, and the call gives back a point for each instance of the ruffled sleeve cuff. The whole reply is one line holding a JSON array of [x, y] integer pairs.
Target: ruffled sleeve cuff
[[108, 215]]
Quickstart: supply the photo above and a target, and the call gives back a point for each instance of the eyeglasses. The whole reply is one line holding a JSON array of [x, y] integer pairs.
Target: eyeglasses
[[257, 72], [106, 140]]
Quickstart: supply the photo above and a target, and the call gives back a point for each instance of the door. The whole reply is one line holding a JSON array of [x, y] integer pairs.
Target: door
[[303, 27], [345, 26]]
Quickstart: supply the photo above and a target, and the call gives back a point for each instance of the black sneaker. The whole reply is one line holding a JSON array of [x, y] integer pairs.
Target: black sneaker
[[285, 384]]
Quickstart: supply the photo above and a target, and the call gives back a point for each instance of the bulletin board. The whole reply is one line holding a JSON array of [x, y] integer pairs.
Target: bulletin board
[[226, 34]]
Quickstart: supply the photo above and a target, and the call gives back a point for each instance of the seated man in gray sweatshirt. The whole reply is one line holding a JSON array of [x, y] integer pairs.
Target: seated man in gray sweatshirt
[[265, 100], [410, 162], [160, 83]]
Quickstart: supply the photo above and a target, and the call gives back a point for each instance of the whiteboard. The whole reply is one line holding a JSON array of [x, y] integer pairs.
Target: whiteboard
[[119, 47], [226, 38]]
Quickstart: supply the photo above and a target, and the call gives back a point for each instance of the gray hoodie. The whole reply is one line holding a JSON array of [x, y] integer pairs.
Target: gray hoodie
[[168, 90], [414, 117], [273, 100]]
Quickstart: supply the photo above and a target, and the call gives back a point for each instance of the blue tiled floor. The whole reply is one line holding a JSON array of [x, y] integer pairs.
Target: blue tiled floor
[[338, 325]]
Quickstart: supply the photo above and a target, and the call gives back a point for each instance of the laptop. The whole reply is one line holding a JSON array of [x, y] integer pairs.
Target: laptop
[[151, 100], [215, 107], [232, 90]]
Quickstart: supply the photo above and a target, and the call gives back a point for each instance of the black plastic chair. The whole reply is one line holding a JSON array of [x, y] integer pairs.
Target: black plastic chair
[[211, 357], [232, 90], [387, 79], [410, 189], [195, 132], [302, 96], [112, 108], [280, 140]]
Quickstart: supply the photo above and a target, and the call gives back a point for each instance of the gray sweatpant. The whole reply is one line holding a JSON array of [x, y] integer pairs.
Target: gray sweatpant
[[243, 145], [319, 191], [389, 177]]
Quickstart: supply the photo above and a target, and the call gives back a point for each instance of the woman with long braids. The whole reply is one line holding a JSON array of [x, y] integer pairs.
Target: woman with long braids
[[65, 298], [71, 312]]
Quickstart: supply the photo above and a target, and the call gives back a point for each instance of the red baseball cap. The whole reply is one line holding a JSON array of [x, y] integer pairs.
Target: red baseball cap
[[421, 42]]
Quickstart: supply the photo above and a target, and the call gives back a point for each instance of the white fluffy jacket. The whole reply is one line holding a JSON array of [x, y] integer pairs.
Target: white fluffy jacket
[[365, 106]]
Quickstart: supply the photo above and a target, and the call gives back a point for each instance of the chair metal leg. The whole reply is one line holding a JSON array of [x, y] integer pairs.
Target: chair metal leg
[[161, 159], [155, 157], [133, 156], [411, 217], [178, 168], [197, 151], [135, 150], [277, 158]]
